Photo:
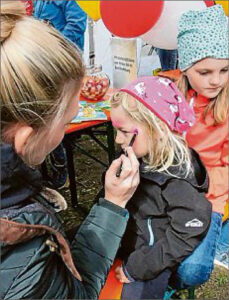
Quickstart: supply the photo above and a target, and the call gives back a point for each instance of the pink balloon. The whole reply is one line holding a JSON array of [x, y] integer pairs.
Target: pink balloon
[[127, 18], [164, 33]]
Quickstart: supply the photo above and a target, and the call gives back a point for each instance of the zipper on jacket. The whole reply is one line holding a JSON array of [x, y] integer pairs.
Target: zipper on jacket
[[149, 225]]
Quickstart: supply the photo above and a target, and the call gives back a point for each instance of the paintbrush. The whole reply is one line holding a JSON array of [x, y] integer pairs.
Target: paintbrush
[[130, 145]]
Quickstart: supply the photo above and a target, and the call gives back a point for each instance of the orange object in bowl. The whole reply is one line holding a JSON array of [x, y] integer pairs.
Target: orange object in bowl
[[96, 84]]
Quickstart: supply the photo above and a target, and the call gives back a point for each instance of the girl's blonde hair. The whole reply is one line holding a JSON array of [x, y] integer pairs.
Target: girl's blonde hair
[[40, 72], [218, 105], [166, 149]]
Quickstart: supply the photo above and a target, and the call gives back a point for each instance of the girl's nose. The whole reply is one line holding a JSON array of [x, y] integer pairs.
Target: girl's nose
[[119, 138], [215, 80]]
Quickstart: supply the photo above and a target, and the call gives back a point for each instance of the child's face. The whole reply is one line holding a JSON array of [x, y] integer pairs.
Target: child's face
[[208, 76], [126, 127]]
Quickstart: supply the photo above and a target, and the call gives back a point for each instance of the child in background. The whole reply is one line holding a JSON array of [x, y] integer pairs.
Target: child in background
[[41, 76], [169, 214], [66, 16], [203, 59], [168, 59]]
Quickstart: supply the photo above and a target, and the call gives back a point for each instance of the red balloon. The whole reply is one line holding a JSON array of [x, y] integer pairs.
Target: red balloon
[[209, 3], [130, 18]]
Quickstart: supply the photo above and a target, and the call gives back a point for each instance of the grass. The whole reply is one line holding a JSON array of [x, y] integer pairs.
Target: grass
[[216, 287]]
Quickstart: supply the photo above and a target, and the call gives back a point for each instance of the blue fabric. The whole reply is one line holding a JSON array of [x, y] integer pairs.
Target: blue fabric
[[169, 292], [18, 181], [223, 243], [168, 59], [59, 156], [65, 16], [58, 163], [196, 269], [149, 289]]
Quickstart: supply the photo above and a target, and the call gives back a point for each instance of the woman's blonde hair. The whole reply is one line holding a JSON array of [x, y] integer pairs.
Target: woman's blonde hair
[[40, 72], [218, 105], [166, 149]]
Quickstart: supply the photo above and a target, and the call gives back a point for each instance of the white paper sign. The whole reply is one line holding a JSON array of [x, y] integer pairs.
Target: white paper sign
[[124, 55]]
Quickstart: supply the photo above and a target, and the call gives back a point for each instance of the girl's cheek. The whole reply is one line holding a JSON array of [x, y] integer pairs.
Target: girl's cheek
[[136, 146], [115, 124]]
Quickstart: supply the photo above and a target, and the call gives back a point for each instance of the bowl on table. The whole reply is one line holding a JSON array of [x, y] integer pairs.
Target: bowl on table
[[96, 84]]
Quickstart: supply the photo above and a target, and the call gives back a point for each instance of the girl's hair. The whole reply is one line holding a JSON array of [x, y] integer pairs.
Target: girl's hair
[[40, 72], [218, 105], [166, 149]]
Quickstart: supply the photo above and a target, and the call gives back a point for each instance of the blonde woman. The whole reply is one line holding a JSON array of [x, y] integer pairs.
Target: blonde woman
[[70, 20], [41, 75], [169, 214]]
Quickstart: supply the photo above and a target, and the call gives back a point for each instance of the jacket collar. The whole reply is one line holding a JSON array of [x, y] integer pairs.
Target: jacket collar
[[198, 180], [199, 100], [13, 233], [18, 181]]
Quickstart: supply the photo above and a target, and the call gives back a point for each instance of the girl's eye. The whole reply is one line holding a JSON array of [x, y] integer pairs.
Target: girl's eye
[[203, 73], [122, 131], [224, 70]]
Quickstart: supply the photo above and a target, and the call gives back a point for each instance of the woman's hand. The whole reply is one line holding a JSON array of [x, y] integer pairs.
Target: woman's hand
[[119, 190], [121, 276]]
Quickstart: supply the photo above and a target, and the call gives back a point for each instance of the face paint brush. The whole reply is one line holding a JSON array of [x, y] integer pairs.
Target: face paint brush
[[130, 145]]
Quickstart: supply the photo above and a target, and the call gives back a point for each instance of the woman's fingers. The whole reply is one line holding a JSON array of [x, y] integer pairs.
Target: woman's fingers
[[130, 164], [126, 167], [114, 167], [133, 158], [136, 178], [120, 189]]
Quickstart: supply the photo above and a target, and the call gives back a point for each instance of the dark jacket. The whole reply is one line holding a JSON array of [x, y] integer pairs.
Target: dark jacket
[[37, 260], [66, 16], [168, 218]]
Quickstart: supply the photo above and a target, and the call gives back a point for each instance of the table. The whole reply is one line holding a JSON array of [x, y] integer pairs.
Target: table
[[92, 129]]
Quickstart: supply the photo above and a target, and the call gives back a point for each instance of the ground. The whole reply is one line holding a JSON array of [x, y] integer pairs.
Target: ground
[[89, 184]]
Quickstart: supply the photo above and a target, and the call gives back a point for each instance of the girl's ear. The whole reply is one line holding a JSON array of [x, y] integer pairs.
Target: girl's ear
[[22, 134]]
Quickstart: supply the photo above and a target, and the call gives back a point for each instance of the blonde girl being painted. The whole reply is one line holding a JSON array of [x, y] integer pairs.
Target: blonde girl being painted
[[169, 214]]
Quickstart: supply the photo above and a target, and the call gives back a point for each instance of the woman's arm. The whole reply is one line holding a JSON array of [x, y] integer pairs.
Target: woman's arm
[[97, 241], [95, 246]]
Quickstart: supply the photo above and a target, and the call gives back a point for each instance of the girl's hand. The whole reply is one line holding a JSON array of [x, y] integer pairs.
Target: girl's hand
[[121, 276], [120, 189]]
